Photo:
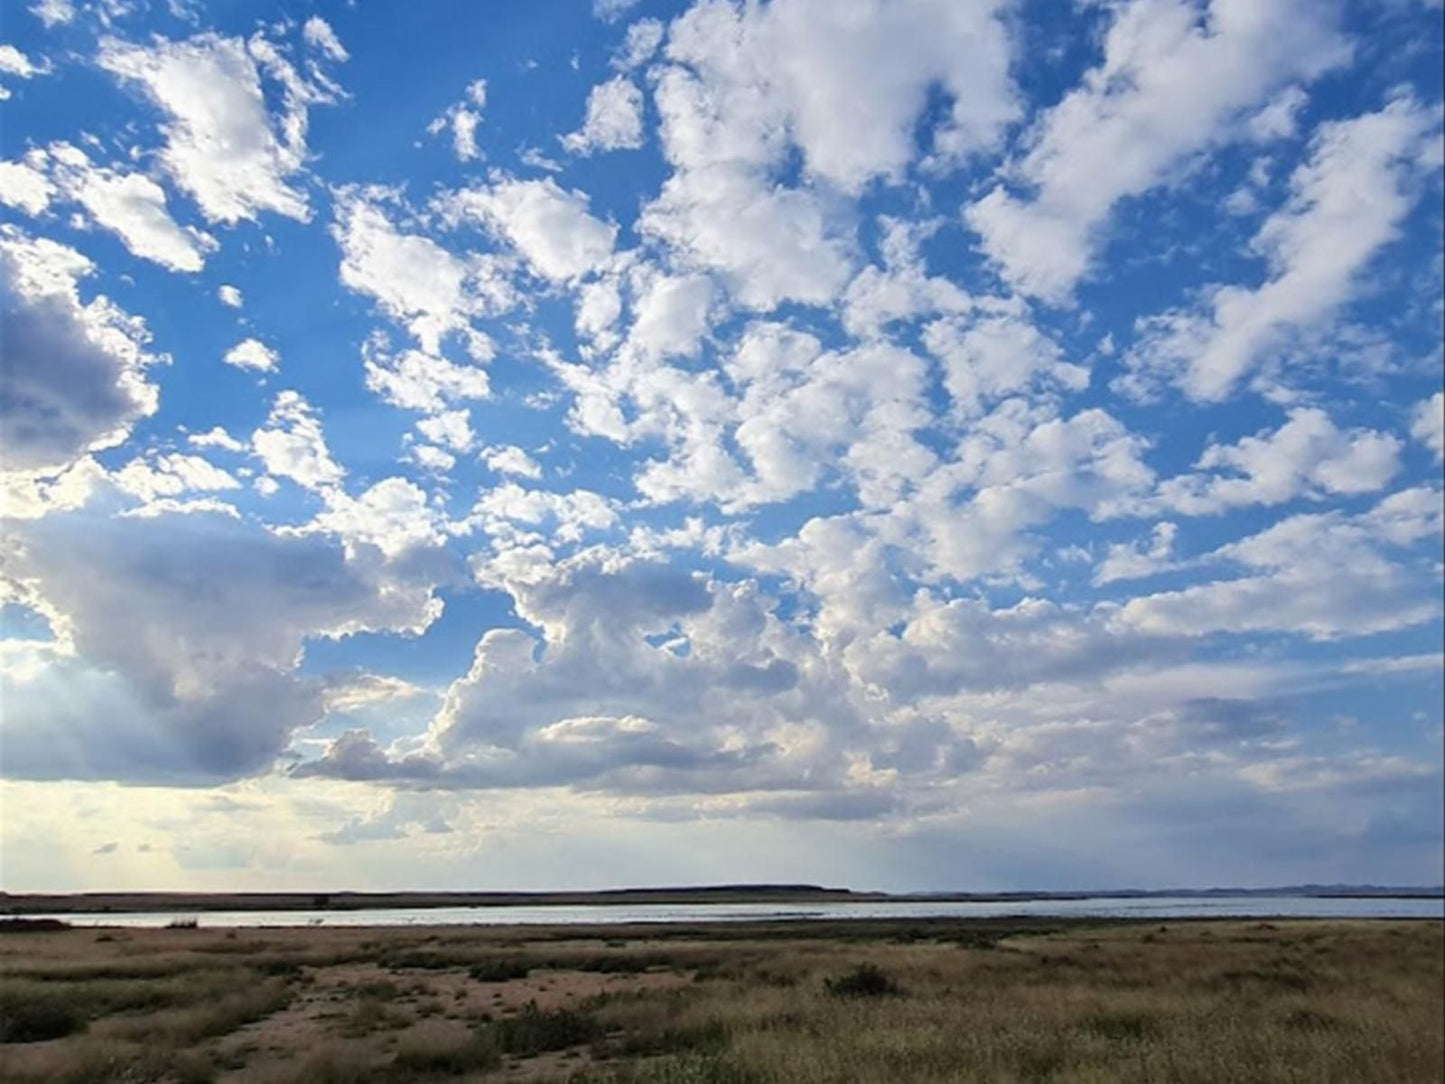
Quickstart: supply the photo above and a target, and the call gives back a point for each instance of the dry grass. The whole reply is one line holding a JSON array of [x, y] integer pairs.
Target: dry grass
[[930, 1002]]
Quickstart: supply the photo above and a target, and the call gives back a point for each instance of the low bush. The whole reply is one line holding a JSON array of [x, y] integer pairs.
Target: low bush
[[537, 1031], [36, 1020], [865, 980], [475, 1054], [499, 970]]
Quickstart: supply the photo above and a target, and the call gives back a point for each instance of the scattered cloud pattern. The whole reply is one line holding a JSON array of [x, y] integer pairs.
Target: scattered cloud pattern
[[902, 444]]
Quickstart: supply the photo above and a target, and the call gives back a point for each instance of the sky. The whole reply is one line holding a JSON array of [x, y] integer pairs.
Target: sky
[[925, 444]]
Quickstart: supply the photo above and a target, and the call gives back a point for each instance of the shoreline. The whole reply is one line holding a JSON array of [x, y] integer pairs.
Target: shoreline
[[120, 903]]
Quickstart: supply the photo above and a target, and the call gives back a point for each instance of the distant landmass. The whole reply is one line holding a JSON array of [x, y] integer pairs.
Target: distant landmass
[[128, 902]]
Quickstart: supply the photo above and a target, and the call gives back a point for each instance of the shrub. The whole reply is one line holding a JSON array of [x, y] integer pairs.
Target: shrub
[[1121, 1027], [499, 970], [713, 1069], [477, 1053], [537, 1031], [865, 980], [39, 1019]]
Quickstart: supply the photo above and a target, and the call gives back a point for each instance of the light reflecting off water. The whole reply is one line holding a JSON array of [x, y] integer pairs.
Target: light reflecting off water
[[597, 914]]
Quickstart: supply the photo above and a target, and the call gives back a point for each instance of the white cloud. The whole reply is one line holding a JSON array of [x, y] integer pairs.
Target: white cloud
[[769, 243], [549, 226], [451, 428], [14, 62], [1428, 424], [1015, 470], [613, 121], [845, 81], [217, 437], [1133, 561], [319, 35], [293, 445], [610, 11], [570, 515], [430, 458], [25, 495], [1172, 82], [463, 119], [24, 185], [902, 289], [643, 38], [1280, 118], [230, 296], [75, 373], [1324, 576], [393, 515], [1347, 202], [253, 354], [130, 205], [431, 291], [416, 380], [988, 359], [222, 144], [509, 459], [53, 12], [1307, 456], [171, 475], [599, 304], [671, 315]]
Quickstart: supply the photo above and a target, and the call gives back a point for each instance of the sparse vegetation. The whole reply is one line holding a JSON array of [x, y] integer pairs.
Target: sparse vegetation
[[1332, 1002]]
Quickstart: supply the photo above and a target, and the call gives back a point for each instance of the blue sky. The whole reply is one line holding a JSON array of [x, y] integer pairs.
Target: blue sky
[[909, 445]]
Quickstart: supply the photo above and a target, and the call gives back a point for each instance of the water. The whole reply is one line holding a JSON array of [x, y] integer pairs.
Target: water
[[1158, 907]]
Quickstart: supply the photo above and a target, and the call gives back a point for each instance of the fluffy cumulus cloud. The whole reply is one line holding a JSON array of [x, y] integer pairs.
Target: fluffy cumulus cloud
[[422, 285], [223, 144], [1173, 80], [1428, 424], [252, 354], [550, 227], [613, 122], [292, 445], [1347, 201], [952, 445], [1307, 456]]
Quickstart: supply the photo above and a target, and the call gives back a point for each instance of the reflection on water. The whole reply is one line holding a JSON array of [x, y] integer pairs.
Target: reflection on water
[[1156, 907]]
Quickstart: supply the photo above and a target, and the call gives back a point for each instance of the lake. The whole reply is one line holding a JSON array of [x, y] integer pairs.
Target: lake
[[1161, 907]]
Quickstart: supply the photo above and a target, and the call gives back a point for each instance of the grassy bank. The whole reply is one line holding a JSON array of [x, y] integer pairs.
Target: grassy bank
[[993, 1001]]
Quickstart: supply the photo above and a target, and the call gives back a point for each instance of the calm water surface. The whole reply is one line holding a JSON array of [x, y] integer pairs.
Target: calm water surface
[[1157, 907]]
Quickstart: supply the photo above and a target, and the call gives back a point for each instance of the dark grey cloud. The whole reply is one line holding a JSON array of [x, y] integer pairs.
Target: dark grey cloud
[[70, 378], [188, 629]]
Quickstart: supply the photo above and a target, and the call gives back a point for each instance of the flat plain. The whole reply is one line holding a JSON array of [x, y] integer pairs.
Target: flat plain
[[930, 1000]]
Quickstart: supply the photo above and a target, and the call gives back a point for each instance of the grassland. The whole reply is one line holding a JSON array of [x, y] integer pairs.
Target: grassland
[[996, 1001]]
